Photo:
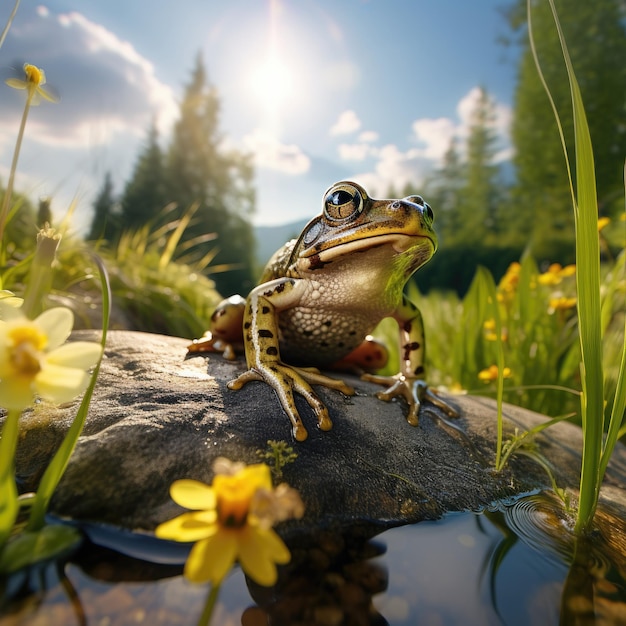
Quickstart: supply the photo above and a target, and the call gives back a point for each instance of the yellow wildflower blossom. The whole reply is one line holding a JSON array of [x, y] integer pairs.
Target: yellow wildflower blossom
[[510, 279], [35, 78], [231, 521], [556, 273], [491, 373], [36, 361], [603, 222], [561, 303], [489, 328]]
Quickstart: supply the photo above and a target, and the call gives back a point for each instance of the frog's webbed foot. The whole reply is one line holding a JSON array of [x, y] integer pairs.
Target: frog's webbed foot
[[285, 379], [413, 391], [209, 343]]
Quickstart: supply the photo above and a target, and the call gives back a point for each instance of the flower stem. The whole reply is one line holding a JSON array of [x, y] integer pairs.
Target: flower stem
[[207, 613], [9, 504], [16, 155], [9, 22]]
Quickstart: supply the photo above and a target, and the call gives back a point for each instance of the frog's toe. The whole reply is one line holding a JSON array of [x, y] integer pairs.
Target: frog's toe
[[432, 396], [244, 378], [313, 377]]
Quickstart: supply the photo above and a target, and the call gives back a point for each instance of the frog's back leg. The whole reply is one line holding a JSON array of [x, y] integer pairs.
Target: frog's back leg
[[368, 357], [225, 334]]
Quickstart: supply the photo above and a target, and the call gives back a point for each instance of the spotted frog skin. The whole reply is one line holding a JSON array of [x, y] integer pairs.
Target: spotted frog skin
[[320, 296]]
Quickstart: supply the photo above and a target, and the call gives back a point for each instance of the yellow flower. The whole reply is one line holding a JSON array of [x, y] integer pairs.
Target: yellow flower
[[36, 361], [555, 274], [603, 222], [561, 303], [489, 327], [231, 521], [35, 78], [509, 281], [491, 373]]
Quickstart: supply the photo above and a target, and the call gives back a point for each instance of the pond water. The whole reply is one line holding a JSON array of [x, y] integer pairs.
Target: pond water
[[514, 565]]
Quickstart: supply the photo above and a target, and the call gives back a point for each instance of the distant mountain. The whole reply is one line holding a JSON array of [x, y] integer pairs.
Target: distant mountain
[[270, 238]]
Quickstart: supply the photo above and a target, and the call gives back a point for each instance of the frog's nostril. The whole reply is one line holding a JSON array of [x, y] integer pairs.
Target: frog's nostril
[[429, 211]]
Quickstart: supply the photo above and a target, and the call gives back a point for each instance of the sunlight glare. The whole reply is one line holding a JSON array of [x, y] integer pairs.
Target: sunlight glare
[[272, 84]]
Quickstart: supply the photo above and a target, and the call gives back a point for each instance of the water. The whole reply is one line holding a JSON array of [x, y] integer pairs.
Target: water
[[515, 565]]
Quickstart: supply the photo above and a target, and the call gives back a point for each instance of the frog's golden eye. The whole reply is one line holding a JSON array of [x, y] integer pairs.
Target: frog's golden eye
[[342, 202]]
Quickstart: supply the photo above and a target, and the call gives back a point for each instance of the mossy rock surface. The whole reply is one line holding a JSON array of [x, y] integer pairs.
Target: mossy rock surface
[[157, 416]]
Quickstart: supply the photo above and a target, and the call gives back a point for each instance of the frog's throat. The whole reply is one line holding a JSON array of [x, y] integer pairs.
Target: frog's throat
[[400, 242]]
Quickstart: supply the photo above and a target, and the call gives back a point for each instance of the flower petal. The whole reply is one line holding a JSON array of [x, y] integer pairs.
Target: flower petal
[[193, 494], [16, 83], [211, 559], [16, 393], [10, 306], [57, 323], [188, 527], [259, 550], [60, 384], [77, 354]]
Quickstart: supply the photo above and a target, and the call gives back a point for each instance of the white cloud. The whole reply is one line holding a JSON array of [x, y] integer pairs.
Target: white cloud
[[435, 135], [395, 169], [348, 122], [106, 87], [356, 151], [368, 136], [270, 153]]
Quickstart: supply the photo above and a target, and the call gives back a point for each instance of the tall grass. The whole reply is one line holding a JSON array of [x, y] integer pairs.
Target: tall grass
[[596, 449]]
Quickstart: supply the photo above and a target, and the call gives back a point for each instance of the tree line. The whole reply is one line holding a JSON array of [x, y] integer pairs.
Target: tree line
[[195, 173], [487, 212], [491, 213]]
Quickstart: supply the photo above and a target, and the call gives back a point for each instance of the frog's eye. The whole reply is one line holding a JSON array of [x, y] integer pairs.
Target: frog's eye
[[342, 202]]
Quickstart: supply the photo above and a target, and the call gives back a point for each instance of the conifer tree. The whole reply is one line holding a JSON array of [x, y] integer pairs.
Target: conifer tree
[[200, 170], [480, 195], [596, 39], [105, 221], [145, 193]]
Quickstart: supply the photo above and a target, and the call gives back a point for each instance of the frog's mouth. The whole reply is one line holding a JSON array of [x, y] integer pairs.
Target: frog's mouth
[[399, 242]]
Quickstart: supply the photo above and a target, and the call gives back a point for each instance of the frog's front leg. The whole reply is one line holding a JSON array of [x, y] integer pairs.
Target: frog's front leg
[[260, 329], [409, 382]]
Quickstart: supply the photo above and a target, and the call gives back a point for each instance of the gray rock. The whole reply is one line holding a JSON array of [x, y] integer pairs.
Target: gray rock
[[157, 417]]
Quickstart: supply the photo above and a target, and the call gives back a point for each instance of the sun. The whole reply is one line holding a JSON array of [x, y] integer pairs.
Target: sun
[[272, 84]]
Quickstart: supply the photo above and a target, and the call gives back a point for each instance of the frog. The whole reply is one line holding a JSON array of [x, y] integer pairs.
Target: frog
[[320, 297]]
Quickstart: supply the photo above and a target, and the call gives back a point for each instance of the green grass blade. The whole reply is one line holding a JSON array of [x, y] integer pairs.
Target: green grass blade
[[57, 466], [587, 283]]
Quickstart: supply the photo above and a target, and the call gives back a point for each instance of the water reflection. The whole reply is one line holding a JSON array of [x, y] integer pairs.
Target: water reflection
[[517, 564]]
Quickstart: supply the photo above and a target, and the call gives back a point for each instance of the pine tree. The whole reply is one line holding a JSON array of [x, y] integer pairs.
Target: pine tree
[[145, 193], [596, 38], [480, 194], [105, 220], [199, 170], [444, 193]]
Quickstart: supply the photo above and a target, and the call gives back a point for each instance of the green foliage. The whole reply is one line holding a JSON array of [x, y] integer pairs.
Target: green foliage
[[105, 222], [596, 449], [596, 37], [48, 543], [467, 191], [195, 170], [199, 170], [277, 455], [20, 227], [159, 284], [539, 335], [145, 193]]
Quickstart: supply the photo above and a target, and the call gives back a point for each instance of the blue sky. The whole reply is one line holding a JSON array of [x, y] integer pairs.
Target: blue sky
[[317, 91]]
